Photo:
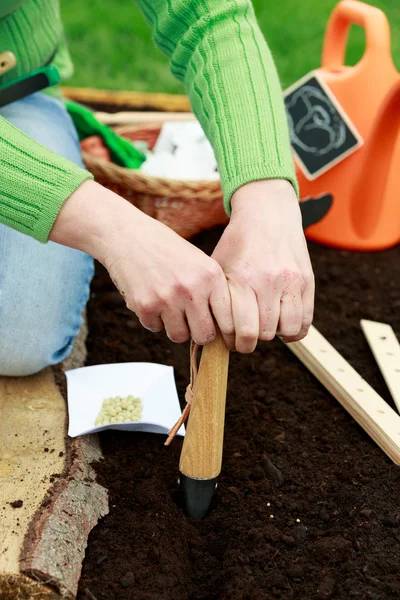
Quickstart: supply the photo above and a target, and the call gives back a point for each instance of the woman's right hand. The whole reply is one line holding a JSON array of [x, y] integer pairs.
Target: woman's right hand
[[169, 283]]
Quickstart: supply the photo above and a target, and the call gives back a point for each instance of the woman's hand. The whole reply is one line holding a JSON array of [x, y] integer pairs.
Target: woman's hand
[[165, 280], [264, 256]]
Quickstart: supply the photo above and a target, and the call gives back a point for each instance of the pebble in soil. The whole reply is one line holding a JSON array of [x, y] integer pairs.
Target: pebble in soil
[[290, 451]]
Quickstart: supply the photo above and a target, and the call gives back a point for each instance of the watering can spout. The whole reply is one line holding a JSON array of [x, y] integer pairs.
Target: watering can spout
[[375, 202]]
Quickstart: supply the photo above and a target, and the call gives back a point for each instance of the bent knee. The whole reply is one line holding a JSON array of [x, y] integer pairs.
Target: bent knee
[[17, 365], [20, 360]]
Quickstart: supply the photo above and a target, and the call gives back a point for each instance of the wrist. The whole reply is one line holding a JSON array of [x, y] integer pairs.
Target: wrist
[[251, 195], [90, 218]]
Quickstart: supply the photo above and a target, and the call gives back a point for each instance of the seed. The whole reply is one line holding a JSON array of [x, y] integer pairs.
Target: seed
[[120, 410]]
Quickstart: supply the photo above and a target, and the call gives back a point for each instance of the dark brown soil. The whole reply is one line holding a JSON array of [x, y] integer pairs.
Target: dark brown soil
[[308, 506]]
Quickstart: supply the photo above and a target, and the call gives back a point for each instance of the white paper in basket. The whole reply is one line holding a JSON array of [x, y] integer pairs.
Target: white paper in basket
[[153, 383]]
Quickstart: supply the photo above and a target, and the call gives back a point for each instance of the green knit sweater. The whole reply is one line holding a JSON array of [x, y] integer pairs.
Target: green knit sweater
[[215, 47]]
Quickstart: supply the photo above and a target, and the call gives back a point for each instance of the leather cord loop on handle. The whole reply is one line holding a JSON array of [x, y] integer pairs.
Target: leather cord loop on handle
[[189, 395]]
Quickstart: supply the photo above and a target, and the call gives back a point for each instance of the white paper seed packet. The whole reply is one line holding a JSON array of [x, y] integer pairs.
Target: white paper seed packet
[[153, 383]]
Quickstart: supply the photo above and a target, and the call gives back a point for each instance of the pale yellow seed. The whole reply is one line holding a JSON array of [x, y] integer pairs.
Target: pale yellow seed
[[120, 410]]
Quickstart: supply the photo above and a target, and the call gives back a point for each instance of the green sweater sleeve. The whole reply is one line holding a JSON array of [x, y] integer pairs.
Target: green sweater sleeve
[[34, 182], [217, 50]]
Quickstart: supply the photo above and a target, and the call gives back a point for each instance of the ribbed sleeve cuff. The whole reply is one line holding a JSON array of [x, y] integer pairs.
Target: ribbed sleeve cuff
[[34, 183], [255, 172], [53, 201]]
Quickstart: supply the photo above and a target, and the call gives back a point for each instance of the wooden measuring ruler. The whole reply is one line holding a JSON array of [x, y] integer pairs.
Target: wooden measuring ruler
[[386, 349], [364, 404]]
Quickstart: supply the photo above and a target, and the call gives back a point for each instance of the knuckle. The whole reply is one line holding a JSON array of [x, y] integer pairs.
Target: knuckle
[[130, 305], [302, 334], [179, 290], [291, 279], [245, 275], [291, 331], [182, 288], [166, 296], [211, 274], [247, 333], [267, 336], [243, 278], [271, 276], [227, 329], [292, 276], [204, 339], [214, 269], [146, 306], [178, 337]]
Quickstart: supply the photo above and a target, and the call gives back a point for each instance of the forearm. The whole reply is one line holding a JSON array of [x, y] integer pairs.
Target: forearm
[[91, 218], [217, 49]]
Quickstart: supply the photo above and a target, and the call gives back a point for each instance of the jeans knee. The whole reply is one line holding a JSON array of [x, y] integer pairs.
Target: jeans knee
[[17, 362], [22, 357]]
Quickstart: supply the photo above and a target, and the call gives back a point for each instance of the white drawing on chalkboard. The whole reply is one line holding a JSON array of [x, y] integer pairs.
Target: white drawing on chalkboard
[[320, 128]]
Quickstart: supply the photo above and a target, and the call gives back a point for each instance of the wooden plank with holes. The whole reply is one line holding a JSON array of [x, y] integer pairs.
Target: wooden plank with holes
[[386, 349], [370, 411]]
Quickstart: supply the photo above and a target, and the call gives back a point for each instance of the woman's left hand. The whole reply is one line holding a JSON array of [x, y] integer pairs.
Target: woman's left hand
[[264, 256]]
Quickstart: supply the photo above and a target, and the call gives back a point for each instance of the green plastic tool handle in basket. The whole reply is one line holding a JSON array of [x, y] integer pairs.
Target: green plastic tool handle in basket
[[122, 152]]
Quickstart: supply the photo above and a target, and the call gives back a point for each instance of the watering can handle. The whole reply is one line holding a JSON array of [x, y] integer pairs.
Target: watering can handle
[[353, 12]]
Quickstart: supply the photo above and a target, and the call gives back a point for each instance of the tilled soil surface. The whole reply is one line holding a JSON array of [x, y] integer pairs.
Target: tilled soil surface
[[308, 505]]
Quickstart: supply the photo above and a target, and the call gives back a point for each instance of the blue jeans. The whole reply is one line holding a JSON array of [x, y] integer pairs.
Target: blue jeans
[[43, 287]]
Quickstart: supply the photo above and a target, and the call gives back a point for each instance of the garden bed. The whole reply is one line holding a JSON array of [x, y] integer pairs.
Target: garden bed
[[308, 505]]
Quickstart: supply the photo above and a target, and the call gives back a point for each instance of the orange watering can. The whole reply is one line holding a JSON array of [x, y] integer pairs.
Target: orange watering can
[[365, 185]]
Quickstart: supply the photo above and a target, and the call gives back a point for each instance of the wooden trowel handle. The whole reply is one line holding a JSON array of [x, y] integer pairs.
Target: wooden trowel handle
[[201, 455]]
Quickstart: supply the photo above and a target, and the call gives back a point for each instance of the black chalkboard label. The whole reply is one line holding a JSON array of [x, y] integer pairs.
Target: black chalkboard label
[[321, 133]]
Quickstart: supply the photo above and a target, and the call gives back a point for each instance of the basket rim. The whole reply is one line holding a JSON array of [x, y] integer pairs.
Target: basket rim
[[135, 176]]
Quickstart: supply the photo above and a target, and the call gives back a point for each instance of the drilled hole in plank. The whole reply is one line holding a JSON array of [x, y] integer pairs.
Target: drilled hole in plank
[[382, 412], [324, 351], [389, 354], [383, 337], [342, 370], [360, 390]]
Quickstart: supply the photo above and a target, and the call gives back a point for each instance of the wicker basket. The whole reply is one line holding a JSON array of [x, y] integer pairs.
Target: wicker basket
[[188, 207]]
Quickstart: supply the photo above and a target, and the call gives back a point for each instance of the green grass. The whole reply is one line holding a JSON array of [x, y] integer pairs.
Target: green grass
[[112, 48]]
